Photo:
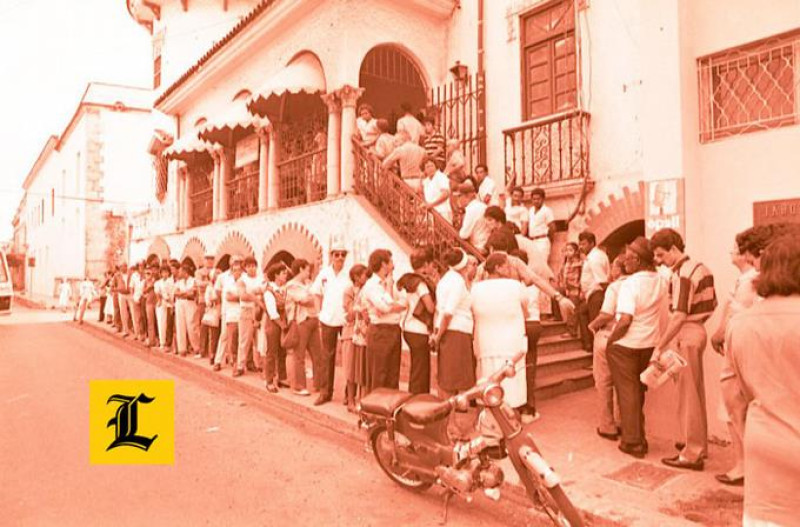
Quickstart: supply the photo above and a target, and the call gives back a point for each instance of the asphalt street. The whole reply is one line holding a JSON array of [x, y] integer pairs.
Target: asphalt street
[[236, 462]]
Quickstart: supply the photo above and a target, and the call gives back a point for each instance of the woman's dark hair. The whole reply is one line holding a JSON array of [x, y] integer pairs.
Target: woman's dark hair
[[298, 265], [453, 257], [383, 125], [378, 258], [494, 261], [358, 270], [522, 255], [275, 269], [667, 239], [426, 160], [780, 267], [420, 258], [496, 213], [498, 241], [573, 245]]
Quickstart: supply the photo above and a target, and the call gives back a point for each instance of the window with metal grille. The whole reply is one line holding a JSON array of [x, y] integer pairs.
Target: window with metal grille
[[158, 42], [549, 77], [750, 88]]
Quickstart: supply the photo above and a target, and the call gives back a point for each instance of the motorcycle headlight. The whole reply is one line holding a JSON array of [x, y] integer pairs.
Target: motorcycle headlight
[[493, 395]]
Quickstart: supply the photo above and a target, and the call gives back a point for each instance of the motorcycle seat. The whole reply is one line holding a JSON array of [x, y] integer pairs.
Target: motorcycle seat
[[384, 401], [425, 409]]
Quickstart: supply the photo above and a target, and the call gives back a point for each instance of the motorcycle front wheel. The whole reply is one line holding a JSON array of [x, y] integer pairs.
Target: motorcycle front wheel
[[383, 448], [553, 500]]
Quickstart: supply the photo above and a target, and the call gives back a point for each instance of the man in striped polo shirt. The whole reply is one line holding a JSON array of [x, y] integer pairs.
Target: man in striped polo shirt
[[692, 301]]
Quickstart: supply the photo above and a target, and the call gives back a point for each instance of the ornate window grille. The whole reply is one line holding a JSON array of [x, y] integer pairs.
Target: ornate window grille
[[750, 88], [202, 196], [243, 192], [303, 167]]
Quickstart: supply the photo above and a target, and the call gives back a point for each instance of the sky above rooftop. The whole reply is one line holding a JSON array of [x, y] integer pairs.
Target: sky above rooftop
[[51, 49]]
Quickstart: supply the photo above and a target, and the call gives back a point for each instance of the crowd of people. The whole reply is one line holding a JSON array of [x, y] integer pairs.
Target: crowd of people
[[474, 316]]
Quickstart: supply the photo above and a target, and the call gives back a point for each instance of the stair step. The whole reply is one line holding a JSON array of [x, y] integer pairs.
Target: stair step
[[563, 362], [550, 386], [557, 344], [552, 328]]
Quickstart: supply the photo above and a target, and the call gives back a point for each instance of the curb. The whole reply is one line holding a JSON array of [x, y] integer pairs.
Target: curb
[[516, 499]]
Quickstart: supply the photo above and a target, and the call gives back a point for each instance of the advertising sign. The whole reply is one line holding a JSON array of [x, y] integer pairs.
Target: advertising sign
[[779, 211], [664, 206], [247, 151]]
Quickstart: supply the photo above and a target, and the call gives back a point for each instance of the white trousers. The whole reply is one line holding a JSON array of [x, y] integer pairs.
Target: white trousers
[[161, 322], [185, 325]]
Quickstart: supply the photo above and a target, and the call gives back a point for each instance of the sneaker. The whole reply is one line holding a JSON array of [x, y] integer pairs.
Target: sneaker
[[198, 356], [529, 418], [217, 367], [303, 392]]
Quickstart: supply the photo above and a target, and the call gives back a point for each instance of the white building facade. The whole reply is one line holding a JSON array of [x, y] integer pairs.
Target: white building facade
[[73, 218], [631, 115]]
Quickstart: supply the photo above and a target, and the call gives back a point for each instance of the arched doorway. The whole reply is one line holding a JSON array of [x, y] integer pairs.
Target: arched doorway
[[224, 262], [390, 77], [284, 257], [615, 242]]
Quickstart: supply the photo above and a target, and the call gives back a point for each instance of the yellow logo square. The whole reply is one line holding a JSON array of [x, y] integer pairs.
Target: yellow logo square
[[131, 422]]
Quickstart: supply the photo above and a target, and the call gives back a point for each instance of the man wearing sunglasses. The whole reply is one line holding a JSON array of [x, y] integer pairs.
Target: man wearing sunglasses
[[329, 286]]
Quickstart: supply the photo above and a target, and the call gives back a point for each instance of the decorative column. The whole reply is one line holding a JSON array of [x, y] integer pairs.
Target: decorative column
[[263, 168], [224, 175], [273, 178], [349, 96], [178, 197], [334, 143], [215, 187], [187, 190]]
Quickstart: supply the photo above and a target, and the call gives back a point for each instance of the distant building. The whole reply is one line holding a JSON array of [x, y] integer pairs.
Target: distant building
[[74, 214]]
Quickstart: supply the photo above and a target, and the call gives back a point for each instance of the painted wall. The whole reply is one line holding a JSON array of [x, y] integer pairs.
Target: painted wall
[[187, 35], [355, 226]]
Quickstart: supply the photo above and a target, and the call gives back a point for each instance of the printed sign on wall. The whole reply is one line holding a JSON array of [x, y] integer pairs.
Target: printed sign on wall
[[247, 151], [664, 206], [779, 211]]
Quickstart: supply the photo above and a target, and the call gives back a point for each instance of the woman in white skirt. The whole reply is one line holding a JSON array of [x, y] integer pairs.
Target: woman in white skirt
[[499, 307]]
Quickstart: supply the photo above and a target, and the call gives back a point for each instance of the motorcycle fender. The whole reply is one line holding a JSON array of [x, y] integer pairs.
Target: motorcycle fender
[[539, 466]]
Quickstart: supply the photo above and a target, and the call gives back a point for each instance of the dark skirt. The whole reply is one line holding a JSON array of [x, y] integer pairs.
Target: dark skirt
[[360, 370], [456, 362]]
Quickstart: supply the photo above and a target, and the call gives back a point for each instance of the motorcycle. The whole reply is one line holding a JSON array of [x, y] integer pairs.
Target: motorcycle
[[410, 440]]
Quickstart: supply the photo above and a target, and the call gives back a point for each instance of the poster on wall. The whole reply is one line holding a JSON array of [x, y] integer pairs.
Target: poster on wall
[[778, 211], [664, 206], [247, 151]]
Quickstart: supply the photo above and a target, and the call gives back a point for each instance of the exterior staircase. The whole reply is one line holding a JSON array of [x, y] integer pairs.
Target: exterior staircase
[[563, 366]]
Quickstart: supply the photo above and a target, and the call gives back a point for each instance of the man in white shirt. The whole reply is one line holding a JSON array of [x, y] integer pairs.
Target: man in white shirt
[[436, 189], [474, 228], [408, 156], [249, 291], [86, 295], [385, 311], [229, 293], [516, 212], [186, 333], [487, 187], [329, 286], [632, 341], [540, 226], [594, 280], [410, 124], [136, 287]]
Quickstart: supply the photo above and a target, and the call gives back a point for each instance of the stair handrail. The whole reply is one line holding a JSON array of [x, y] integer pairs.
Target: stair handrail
[[404, 208]]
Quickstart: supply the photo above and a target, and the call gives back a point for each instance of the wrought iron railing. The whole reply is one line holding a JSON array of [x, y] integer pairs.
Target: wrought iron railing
[[460, 111], [303, 179], [202, 207], [550, 150], [243, 194], [404, 208]]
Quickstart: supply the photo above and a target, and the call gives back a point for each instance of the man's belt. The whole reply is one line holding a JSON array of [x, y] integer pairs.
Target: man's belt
[[539, 237]]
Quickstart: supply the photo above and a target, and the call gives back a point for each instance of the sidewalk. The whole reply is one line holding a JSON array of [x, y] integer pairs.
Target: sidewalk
[[609, 486]]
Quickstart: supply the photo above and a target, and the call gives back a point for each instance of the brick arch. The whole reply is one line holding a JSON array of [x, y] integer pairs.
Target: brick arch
[[614, 212], [297, 240], [195, 250], [159, 248], [235, 243]]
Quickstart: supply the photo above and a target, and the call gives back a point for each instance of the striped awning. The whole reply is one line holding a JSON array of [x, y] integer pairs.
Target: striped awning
[[302, 75], [188, 148], [231, 126]]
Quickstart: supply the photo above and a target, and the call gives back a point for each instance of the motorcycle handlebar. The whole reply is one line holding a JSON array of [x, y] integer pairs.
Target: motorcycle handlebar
[[508, 370]]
